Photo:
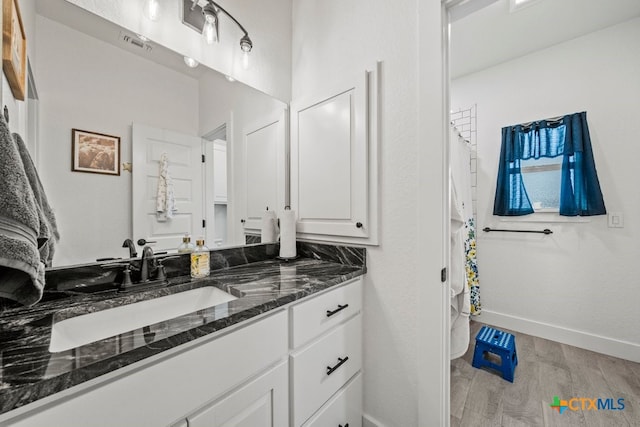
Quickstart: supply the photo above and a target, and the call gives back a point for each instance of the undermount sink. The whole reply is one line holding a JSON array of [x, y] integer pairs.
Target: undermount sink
[[87, 328]]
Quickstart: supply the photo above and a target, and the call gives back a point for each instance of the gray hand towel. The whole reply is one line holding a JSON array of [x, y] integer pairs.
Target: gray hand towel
[[21, 271], [48, 233]]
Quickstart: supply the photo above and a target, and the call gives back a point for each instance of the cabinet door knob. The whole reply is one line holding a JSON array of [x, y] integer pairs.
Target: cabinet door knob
[[346, 425], [358, 224], [243, 221], [331, 369]]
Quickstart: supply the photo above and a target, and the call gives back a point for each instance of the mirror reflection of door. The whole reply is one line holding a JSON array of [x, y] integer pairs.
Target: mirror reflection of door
[[184, 165], [216, 187]]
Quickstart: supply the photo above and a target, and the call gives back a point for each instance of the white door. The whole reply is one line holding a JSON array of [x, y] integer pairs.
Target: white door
[[185, 167], [265, 168]]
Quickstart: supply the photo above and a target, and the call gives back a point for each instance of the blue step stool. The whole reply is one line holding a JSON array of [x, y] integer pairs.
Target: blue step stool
[[499, 343]]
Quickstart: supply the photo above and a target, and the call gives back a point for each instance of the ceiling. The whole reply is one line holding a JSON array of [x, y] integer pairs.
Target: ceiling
[[493, 34], [95, 26], [488, 37]]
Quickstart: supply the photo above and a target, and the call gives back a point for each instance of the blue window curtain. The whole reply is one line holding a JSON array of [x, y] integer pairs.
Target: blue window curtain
[[580, 192]]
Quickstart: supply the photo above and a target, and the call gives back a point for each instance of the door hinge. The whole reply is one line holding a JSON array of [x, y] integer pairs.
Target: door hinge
[[203, 158], [443, 275], [204, 223]]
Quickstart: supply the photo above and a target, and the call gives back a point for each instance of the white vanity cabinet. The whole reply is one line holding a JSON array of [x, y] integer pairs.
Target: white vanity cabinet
[[334, 135], [326, 358], [235, 370], [299, 365]]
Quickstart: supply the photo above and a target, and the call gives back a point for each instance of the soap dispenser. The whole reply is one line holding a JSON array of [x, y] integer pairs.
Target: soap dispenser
[[200, 260], [186, 246]]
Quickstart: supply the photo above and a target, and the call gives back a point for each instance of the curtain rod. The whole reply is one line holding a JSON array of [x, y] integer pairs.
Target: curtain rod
[[545, 231], [551, 120]]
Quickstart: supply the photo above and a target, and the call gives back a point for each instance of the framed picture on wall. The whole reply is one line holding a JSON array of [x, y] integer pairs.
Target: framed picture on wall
[[95, 152], [14, 48]]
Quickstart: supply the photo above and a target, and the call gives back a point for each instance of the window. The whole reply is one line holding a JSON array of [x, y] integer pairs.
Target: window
[[542, 178], [548, 165]]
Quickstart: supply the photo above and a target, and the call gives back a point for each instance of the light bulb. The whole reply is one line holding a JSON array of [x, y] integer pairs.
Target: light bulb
[[191, 63], [245, 60], [152, 9], [209, 32]]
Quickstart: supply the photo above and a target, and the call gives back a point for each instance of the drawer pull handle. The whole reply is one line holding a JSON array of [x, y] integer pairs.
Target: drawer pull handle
[[331, 370], [340, 308]]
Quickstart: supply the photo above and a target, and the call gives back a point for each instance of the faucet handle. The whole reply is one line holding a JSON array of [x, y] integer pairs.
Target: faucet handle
[[126, 273], [142, 242], [162, 272]]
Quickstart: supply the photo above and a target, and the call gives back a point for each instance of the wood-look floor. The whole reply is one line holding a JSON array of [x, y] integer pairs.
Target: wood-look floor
[[480, 397]]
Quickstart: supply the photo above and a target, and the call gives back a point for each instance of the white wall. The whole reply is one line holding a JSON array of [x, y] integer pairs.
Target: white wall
[[578, 285], [268, 23], [88, 84], [333, 39]]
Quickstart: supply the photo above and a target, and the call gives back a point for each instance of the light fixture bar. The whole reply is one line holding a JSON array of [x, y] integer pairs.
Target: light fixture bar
[[193, 17]]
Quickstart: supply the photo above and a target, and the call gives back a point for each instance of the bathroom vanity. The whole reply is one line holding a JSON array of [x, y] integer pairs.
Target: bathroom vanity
[[282, 345]]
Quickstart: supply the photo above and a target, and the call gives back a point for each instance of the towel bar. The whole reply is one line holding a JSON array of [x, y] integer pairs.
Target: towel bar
[[545, 231]]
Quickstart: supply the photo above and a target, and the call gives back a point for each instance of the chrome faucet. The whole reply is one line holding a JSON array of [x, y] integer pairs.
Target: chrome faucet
[[147, 263]]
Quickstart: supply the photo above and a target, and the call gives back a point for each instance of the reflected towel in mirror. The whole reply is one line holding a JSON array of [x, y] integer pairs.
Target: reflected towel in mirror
[[165, 200]]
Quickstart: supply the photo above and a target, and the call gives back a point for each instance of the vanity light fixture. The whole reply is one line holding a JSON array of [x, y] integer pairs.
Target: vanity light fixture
[[191, 63], [206, 20]]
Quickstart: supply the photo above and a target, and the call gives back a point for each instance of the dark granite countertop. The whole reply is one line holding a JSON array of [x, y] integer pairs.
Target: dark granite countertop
[[28, 371]]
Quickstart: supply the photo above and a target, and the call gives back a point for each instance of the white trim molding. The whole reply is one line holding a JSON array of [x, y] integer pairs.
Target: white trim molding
[[612, 347]]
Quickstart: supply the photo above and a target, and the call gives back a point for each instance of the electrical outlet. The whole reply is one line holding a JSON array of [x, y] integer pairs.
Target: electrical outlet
[[616, 220]]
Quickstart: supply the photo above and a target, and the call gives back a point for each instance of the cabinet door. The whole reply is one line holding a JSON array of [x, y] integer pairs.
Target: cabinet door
[[329, 161], [261, 403], [265, 168], [343, 409]]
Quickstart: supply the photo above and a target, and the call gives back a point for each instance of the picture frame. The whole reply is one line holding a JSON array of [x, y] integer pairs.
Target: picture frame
[[14, 48], [95, 152]]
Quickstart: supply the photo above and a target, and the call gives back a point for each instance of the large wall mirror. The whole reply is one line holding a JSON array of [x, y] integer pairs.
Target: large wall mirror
[[95, 76]]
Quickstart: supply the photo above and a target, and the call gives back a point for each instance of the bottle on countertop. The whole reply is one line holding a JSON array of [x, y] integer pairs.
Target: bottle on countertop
[[200, 260], [186, 246]]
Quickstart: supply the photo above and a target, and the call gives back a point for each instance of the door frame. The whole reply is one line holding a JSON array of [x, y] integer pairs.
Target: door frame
[[434, 318]]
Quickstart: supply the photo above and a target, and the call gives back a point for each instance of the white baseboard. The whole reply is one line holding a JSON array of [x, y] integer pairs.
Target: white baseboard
[[369, 421], [612, 347]]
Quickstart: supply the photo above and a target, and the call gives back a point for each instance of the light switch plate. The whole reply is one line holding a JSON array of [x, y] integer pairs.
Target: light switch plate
[[616, 220]]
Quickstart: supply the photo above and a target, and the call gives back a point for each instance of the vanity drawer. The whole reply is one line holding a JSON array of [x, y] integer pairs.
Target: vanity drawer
[[319, 314], [323, 367], [344, 409]]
